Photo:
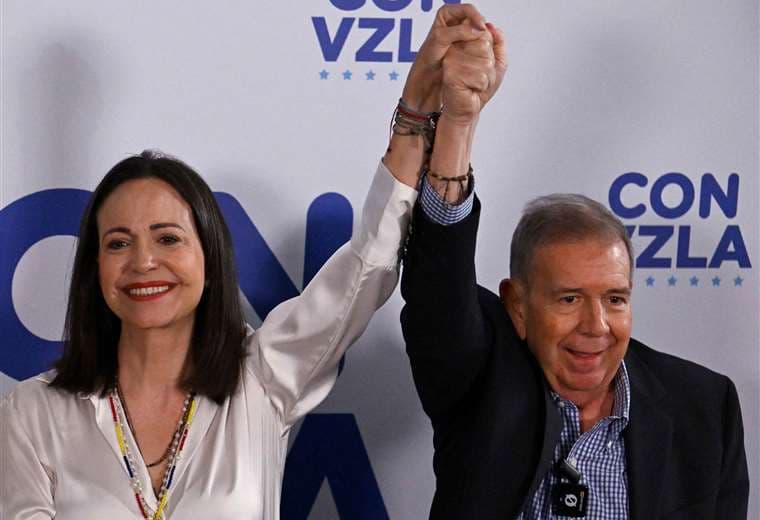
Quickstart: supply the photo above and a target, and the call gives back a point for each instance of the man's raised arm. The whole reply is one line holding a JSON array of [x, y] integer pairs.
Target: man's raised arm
[[444, 331]]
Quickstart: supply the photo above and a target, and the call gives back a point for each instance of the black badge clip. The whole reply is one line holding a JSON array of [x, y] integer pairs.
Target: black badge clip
[[569, 499]]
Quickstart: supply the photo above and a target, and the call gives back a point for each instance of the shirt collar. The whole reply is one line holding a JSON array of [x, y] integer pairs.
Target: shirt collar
[[622, 385], [621, 407]]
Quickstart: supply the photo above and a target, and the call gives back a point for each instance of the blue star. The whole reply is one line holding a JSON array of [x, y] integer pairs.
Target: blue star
[[694, 281], [323, 74], [672, 281], [393, 75], [650, 281], [370, 75], [738, 281], [347, 74], [716, 281]]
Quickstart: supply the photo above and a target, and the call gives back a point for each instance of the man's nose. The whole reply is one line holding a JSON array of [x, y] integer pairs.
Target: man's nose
[[594, 319]]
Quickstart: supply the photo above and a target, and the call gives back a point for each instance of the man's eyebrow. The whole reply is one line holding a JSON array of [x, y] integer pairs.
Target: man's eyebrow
[[614, 290], [565, 290]]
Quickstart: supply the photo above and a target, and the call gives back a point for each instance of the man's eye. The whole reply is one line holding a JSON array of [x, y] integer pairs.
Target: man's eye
[[116, 244], [617, 300], [569, 299]]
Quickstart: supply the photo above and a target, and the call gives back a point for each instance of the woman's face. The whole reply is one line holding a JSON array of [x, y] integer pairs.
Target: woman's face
[[150, 259]]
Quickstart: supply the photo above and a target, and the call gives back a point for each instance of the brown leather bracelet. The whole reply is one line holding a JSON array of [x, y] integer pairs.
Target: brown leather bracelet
[[458, 178]]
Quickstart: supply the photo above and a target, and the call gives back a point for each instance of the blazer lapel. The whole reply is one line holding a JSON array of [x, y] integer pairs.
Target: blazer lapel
[[552, 432], [648, 439]]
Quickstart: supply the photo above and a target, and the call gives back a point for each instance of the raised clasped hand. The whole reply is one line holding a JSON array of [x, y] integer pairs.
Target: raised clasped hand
[[459, 66]]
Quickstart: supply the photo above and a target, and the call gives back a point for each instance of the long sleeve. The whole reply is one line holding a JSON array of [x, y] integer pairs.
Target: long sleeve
[[26, 486], [447, 337], [296, 352], [441, 212], [733, 495]]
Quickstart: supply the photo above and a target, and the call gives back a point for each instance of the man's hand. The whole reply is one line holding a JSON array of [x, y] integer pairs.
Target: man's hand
[[472, 72], [459, 66], [453, 23]]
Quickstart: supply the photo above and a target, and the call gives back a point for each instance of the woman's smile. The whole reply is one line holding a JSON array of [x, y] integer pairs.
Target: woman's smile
[[148, 291]]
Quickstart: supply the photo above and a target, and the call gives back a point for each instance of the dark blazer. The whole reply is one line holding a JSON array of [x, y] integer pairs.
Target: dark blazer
[[495, 427]]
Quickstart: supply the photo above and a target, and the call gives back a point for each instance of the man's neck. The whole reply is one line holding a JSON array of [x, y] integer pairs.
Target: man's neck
[[594, 409]]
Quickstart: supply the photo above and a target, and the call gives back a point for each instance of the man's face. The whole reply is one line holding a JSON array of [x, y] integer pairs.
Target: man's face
[[575, 313]]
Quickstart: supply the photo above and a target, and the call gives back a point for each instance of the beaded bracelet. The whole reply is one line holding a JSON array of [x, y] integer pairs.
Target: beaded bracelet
[[459, 179]]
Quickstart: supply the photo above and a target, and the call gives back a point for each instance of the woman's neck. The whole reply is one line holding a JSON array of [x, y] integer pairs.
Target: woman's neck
[[151, 361]]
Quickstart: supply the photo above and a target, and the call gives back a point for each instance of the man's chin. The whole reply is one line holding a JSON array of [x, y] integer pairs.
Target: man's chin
[[579, 383]]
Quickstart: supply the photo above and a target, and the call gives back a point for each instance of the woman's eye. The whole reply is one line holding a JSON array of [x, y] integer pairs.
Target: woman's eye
[[116, 244]]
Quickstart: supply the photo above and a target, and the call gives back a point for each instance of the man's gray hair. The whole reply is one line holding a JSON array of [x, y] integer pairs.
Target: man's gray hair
[[562, 217]]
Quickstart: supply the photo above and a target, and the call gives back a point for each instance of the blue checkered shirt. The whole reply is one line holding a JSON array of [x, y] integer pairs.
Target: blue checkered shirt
[[440, 211], [599, 453]]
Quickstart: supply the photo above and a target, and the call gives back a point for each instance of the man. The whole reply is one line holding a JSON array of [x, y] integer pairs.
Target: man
[[542, 405]]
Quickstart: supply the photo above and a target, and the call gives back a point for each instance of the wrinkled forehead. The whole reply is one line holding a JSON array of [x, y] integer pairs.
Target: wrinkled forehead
[[580, 262]]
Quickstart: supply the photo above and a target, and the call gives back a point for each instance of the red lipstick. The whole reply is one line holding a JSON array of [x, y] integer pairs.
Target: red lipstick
[[147, 291]]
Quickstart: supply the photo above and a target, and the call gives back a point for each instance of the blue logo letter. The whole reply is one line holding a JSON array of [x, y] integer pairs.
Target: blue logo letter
[[331, 47], [616, 204], [728, 200], [329, 446]]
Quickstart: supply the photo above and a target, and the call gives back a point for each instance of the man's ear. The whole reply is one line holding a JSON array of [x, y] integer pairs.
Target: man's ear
[[514, 299]]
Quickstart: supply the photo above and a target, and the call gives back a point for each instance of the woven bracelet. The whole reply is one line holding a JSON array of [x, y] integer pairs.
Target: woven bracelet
[[459, 179], [407, 121]]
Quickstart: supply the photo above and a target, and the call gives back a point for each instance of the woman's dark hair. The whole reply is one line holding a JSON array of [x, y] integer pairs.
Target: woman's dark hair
[[91, 333]]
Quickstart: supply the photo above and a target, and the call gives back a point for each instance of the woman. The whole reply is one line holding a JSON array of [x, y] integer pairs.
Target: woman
[[158, 353], [165, 404]]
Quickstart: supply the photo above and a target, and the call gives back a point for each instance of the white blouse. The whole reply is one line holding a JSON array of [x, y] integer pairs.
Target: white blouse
[[59, 456]]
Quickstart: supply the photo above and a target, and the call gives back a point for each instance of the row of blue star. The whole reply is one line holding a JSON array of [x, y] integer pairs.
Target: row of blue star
[[370, 75], [694, 281]]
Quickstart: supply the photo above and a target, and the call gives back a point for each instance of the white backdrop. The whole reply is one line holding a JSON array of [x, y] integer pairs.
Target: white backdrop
[[245, 92]]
